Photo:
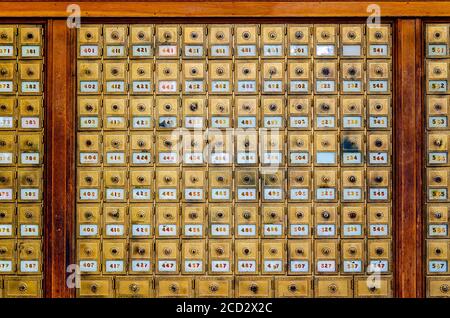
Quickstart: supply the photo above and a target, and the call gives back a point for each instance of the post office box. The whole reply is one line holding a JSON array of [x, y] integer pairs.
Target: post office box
[[273, 255], [220, 257], [115, 187], [141, 77], [115, 41], [167, 45], [220, 77], [194, 77], [326, 220], [353, 221], [299, 77], [30, 41], [89, 41], [352, 112], [193, 257], [437, 76], [7, 256], [194, 185], [115, 113], [299, 38], [438, 287], [141, 147], [114, 256], [115, 220], [194, 39], [437, 256], [254, 287], [299, 257], [246, 77], [352, 37], [352, 76], [379, 183], [141, 41], [299, 148], [326, 256], [194, 146], [325, 184], [89, 149], [273, 76], [379, 39], [30, 113], [325, 110], [212, 287], [193, 217], [246, 220], [379, 112], [7, 112], [290, 287], [116, 77], [30, 184], [379, 220], [29, 220], [247, 257], [220, 147], [141, 185], [437, 40], [438, 148], [325, 75], [29, 256], [437, 184], [247, 184], [7, 185], [272, 40], [272, 148], [437, 112], [352, 184], [8, 71], [30, 148], [246, 40], [173, 287], [220, 185], [247, 112], [88, 256], [8, 48], [167, 112], [167, 77], [89, 221], [220, 220], [220, 41], [8, 148], [168, 148], [437, 220], [370, 287], [379, 77], [325, 40], [96, 287], [7, 220], [335, 287], [89, 185], [220, 112], [379, 253], [141, 113], [167, 256], [379, 148], [273, 184], [300, 220], [141, 220], [141, 257], [167, 184], [299, 113], [134, 287], [325, 146], [272, 112], [21, 287], [273, 220], [194, 112], [352, 256], [89, 77], [299, 184], [167, 220]]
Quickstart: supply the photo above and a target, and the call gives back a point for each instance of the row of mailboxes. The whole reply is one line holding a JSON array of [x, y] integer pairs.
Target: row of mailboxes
[[438, 184], [241, 257], [244, 220], [438, 256], [23, 41], [191, 185], [23, 220], [23, 184], [241, 77], [23, 148], [24, 77], [23, 113], [23, 256], [240, 41], [437, 112]]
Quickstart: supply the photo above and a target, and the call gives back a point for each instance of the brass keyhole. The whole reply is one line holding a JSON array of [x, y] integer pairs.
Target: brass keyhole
[[444, 288], [220, 250], [220, 35], [221, 108], [272, 35], [140, 71], [352, 179], [89, 107], [167, 251], [168, 216], [3, 71], [378, 107], [114, 35], [352, 215], [115, 107], [167, 179], [273, 107], [246, 35], [173, 288], [30, 36], [220, 71], [115, 214], [246, 179], [141, 250], [193, 107], [299, 251], [379, 215], [352, 71], [378, 143], [292, 288], [88, 215], [29, 179], [94, 288], [325, 35], [213, 288], [88, 35], [325, 107], [141, 179], [351, 35], [166, 71], [3, 250], [352, 250], [326, 214], [437, 179], [247, 215], [87, 71], [378, 179], [3, 36], [438, 142], [379, 251], [220, 178], [141, 107], [246, 71], [253, 288], [299, 35], [3, 179], [299, 215], [273, 215], [325, 179], [437, 215], [3, 107], [300, 179], [115, 144], [168, 143], [273, 251], [88, 179], [379, 71], [28, 214], [437, 106], [167, 36], [299, 71], [2, 215], [194, 35], [194, 71], [193, 215], [220, 215], [272, 71], [141, 35], [326, 251], [114, 71], [114, 251], [168, 106], [134, 288], [332, 288], [141, 143], [23, 287], [378, 35]]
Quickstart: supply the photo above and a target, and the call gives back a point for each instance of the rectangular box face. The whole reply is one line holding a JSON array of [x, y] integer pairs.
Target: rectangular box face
[[233, 160], [22, 109]]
